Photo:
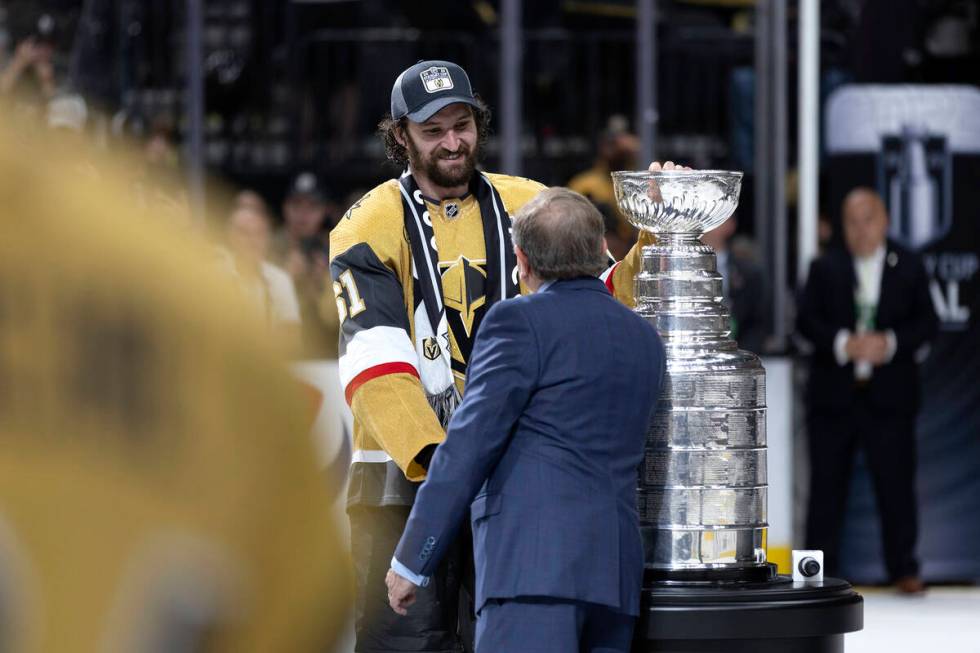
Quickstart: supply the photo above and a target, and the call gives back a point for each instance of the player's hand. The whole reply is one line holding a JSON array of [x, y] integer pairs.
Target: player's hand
[[653, 191], [401, 592], [656, 166]]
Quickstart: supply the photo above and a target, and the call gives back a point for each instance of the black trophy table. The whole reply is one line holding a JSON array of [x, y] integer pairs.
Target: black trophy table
[[767, 615]]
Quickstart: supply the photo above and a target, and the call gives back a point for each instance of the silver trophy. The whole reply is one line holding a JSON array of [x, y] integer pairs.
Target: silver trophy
[[702, 489]]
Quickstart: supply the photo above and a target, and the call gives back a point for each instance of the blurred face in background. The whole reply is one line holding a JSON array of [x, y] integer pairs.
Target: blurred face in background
[[444, 148], [248, 236], [865, 222], [304, 216], [717, 239], [620, 151]]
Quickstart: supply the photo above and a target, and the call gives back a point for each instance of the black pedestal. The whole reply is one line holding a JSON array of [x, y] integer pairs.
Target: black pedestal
[[771, 616]]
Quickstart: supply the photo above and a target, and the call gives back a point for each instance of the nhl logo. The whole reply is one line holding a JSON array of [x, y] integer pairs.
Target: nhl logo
[[452, 210], [436, 79], [430, 347]]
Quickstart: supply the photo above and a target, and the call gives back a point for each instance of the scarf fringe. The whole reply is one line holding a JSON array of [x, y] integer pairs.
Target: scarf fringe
[[445, 403]]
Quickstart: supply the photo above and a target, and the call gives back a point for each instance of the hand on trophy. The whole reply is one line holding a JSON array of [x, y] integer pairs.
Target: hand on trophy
[[672, 198], [653, 191], [669, 165]]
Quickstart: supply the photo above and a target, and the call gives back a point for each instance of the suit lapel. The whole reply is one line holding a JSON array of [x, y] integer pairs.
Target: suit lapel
[[886, 296], [850, 287]]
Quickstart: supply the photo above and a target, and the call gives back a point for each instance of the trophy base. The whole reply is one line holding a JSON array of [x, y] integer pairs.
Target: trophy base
[[653, 577], [771, 616]]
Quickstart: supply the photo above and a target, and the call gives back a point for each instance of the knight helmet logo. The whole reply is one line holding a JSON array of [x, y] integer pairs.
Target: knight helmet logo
[[430, 347], [436, 79]]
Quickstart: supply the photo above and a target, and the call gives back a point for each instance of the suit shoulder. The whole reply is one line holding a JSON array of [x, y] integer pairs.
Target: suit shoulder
[[510, 308], [514, 191], [377, 219], [903, 252], [833, 259]]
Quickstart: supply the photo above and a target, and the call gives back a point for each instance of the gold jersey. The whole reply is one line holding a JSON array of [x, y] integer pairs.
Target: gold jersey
[[376, 292]]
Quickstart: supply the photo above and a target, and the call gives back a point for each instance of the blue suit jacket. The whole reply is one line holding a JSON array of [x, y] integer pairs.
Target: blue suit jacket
[[548, 439]]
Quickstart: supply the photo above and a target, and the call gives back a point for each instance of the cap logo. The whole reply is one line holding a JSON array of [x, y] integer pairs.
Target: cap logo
[[436, 79]]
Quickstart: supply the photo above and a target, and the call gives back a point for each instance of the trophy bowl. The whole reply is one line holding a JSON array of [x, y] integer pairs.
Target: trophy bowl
[[677, 201]]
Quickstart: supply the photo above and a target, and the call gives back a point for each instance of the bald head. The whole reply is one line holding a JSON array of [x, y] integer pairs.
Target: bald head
[[865, 221], [561, 235]]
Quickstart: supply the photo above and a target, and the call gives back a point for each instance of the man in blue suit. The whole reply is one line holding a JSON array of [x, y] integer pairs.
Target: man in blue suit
[[548, 439]]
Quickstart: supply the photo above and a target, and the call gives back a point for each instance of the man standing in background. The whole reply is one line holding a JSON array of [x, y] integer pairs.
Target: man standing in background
[[867, 311]]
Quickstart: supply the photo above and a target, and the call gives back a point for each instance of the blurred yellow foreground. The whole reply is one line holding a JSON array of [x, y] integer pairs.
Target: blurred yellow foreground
[[158, 490]]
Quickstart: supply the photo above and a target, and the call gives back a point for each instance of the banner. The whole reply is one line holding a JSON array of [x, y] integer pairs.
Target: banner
[[919, 147]]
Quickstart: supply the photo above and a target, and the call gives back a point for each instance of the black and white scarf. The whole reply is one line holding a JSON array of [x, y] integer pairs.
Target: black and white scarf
[[432, 343]]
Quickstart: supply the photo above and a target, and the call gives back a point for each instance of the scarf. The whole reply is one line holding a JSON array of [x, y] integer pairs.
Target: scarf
[[432, 344]]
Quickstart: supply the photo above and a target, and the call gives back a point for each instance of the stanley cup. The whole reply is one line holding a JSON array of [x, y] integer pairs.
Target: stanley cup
[[702, 489]]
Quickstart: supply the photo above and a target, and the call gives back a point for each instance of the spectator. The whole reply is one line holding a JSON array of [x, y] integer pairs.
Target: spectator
[[302, 248], [249, 199], [305, 212], [268, 286], [617, 150], [743, 284], [159, 180], [159, 151], [31, 65], [866, 309]]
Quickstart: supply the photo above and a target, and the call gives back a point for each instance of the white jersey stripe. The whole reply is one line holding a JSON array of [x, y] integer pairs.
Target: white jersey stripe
[[369, 456], [376, 346]]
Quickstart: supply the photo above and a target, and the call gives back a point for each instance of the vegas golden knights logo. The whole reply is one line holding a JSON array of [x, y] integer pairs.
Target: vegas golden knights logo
[[430, 347], [464, 286]]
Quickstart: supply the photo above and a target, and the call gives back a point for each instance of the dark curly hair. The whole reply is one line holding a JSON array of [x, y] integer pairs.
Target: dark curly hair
[[397, 153]]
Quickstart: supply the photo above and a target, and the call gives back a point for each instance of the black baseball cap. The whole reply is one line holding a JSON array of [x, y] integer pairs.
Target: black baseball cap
[[306, 184], [427, 87]]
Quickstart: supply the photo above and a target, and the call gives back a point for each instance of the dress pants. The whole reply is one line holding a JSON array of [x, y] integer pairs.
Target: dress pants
[[888, 442], [440, 620], [546, 625]]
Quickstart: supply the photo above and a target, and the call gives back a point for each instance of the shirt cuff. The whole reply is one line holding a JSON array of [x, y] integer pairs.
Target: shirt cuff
[[408, 574], [840, 347], [892, 345]]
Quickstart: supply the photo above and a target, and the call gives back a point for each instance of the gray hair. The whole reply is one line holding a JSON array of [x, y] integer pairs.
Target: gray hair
[[561, 233]]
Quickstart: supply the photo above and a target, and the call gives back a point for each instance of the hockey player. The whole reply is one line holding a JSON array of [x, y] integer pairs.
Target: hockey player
[[416, 263]]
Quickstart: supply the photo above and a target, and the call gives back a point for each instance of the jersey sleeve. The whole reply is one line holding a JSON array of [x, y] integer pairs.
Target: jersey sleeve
[[620, 276], [379, 367]]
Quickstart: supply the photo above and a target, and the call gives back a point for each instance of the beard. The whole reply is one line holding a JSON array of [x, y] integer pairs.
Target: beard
[[459, 172]]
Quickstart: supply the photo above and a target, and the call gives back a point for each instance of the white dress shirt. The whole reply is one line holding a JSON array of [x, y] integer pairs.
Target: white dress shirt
[[868, 271]]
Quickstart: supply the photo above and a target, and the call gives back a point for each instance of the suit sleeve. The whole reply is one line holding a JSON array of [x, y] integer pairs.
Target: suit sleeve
[[814, 320], [378, 363], [621, 275], [502, 375], [922, 326]]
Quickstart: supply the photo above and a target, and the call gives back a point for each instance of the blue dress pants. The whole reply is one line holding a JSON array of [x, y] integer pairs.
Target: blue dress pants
[[547, 625]]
